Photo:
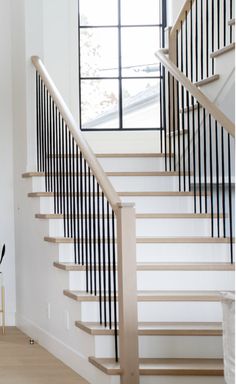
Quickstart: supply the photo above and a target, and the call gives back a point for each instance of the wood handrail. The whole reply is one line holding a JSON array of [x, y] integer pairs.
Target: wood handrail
[[88, 154], [206, 103], [181, 16]]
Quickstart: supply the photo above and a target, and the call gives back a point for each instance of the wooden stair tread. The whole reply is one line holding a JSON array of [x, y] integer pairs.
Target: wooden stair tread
[[58, 216], [165, 367], [157, 266], [152, 240], [221, 51], [207, 80], [153, 296], [180, 239], [158, 328]]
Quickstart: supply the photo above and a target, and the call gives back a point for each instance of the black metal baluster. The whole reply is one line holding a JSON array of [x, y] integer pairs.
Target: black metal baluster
[[164, 115], [37, 122], [199, 158], [178, 111], [161, 111], [67, 183], [211, 179], [217, 179], [70, 185], [201, 40], [192, 107], [104, 261], [194, 156], [213, 34], [99, 253], [223, 180], [224, 23], [48, 142], [82, 199], [196, 40], [109, 264], [230, 16], [57, 162], [60, 156], [230, 202], [218, 24], [63, 128], [207, 38], [77, 210], [174, 128], [54, 158], [74, 200], [94, 237], [170, 133], [90, 229], [44, 130], [183, 108], [46, 137], [50, 146], [114, 285], [187, 100], [86, 226], [43, 127], [205, 157], [40, 122]]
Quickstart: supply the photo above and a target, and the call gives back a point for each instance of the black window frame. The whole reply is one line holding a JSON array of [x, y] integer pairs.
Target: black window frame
[[162, 25]]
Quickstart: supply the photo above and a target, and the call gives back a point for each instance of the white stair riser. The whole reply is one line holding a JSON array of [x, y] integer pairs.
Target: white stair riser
[[144, 204], [145, 183], [153, 227], [183, 252], [166, 280], [162, 204], [185, 280], [127, 183], [165, 253], [164, 311], [137, 164], [167, 346], [173, 227]]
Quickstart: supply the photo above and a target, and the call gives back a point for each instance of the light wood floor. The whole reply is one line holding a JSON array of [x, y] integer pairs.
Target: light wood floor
[[22, 363]]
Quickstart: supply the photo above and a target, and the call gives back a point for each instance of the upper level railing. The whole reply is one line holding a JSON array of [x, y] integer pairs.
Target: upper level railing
[[198, 142], [202, 27], [101, 226]]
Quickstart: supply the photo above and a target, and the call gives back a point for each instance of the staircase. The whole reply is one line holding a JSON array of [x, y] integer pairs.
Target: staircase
[[184, 232]]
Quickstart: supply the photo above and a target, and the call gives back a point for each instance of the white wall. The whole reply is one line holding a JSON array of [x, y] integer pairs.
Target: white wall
[[6, 161], [173, 9]]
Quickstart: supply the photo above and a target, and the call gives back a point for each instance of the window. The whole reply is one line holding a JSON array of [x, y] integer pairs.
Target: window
[[119, 75]]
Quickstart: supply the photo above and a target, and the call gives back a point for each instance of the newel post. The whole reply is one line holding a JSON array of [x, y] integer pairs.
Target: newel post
[[127, 284]]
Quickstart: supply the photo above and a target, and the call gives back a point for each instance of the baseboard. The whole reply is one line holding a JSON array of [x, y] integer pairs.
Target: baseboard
[[56, 347]]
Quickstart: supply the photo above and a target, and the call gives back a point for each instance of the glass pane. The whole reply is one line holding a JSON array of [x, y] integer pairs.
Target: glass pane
[[141, 103], [99, 104], [139, 12], [99, 52], [138, 51], [98, 12]]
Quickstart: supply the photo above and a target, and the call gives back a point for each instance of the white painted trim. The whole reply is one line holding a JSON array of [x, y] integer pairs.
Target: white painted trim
[[56, 347]]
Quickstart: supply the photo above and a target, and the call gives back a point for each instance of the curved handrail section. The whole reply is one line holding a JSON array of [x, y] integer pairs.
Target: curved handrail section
[[196, 93], [110, 193]]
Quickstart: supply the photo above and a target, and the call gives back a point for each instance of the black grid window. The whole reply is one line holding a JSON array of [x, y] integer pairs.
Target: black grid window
[[119, 75]]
